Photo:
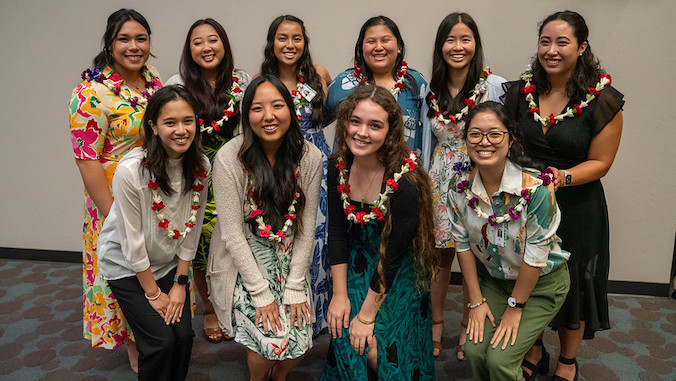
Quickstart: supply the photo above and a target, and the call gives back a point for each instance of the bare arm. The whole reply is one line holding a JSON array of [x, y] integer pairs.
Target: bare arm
[[325, 76], [478, 314], [94, 179]]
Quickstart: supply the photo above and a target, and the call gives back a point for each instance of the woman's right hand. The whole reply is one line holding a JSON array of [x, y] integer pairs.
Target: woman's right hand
[[338, 315], [269, 316], [475, 324], [161, 304]]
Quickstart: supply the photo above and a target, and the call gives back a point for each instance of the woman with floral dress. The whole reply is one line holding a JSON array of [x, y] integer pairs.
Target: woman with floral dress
[[105, 113]]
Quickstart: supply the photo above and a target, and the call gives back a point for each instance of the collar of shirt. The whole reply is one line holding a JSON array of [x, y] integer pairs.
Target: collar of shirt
[[510, 183]]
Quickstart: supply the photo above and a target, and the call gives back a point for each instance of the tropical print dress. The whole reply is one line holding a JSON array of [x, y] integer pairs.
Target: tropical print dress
[[319, 278], [273, 261], [103, 127]]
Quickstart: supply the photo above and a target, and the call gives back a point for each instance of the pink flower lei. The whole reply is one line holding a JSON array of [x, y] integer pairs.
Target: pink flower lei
[[98, 76], [379, 209], [528, 90], [264, 229], [158, 206], [513, 212], [357, 72], [235, 94], [479, 89]]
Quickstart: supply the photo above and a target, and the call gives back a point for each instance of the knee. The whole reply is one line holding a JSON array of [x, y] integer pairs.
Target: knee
[[474, 351], [184, 335]]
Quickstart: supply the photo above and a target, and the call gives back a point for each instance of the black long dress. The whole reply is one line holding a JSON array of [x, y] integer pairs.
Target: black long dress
[[584, 213]]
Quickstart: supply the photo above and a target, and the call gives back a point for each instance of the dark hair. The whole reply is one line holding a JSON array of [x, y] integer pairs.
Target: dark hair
[[210, 101], [391, 155], [156, 157], [587, 70], [273, 188], [113, 26], [516, 153], [441, 71], [359, 60], [304, 66]]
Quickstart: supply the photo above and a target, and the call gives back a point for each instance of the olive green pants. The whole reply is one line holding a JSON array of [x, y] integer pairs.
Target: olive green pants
[[544, 302]]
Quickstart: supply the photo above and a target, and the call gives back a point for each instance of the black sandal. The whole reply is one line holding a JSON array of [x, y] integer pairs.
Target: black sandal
[[567, 361], [541, 367]]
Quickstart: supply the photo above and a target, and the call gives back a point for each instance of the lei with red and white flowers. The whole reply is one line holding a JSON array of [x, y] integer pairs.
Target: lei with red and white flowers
[[299, 100], [528, 90], [98, 76], [398, 84], [158, 206], [476, 93], [235, 94], [379, 209], [264, 229], [514, 212]]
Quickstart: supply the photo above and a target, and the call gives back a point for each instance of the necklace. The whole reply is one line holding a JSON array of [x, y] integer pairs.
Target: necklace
[[114, 83], [379, 209], [375, 173], [528, 90], [357, 72], [514, 212], [264, 229], [235, 94], [158, 206], [476, 93]]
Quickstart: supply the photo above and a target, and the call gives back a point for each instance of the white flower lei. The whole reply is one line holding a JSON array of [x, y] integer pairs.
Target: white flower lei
[[266, 230], [158, 206], [479, 89], [235, 94], [398, 84]]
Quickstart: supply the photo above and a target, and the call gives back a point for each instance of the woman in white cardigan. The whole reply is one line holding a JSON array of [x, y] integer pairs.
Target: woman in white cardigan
[[264, 180]]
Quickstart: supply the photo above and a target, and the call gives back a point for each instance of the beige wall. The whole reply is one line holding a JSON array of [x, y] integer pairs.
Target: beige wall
[[46, 44]]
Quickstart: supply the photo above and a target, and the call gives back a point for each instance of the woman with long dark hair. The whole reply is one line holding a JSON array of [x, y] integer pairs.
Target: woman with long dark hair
[[105, 117], [381, 246], [379, 59], [287, 56], [207, 70], [152, 232], [459, 82], [266, 186], [504, 216], [571, 120]]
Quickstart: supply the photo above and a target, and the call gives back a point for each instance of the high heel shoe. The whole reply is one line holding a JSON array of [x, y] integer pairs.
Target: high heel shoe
[[567, 361], [541, 367], [436, 345]]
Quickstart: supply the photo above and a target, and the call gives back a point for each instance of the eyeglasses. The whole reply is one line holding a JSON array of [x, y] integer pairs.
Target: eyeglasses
[[493, 137]]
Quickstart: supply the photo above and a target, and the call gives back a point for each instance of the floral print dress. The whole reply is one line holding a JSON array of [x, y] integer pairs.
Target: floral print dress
[[103, 127]]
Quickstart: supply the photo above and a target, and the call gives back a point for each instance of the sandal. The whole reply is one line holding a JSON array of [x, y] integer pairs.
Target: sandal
[[214, 335], [541, 367], [567, 361], [436, 344], [459, 354]]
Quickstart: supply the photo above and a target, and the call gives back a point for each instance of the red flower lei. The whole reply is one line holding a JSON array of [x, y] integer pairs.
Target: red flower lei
[[158, 205]]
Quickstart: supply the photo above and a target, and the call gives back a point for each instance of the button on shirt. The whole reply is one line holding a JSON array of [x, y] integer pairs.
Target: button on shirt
[[504, 247]]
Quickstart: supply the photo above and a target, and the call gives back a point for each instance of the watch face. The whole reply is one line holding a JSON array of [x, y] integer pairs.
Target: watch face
[[511, 301]]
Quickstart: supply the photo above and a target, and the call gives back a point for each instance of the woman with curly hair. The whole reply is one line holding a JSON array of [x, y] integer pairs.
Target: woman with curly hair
[[207, 70], [287, 56], [381, 246]]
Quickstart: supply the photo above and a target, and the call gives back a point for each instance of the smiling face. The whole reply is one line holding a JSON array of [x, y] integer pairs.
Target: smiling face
[[269, 116], [175, 127], [130, 48], [380, 49], [366, 129], [459, 47], [206, 47], [558, 49], [485, 154], [289, 43]]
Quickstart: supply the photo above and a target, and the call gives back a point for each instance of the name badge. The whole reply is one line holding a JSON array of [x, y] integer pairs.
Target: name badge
[[498, 235], [307, 92]]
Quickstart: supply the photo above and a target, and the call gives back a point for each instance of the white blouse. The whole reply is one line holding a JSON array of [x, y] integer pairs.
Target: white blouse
[[131, 240]]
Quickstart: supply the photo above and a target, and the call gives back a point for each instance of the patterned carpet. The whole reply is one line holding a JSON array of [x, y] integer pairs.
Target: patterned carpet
[[41, 337]]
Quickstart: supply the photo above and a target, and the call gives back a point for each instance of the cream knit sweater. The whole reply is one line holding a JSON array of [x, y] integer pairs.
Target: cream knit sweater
[[229, 253]]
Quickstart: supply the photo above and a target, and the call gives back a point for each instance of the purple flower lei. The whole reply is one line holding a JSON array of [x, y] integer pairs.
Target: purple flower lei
[[98, 76], [462, 166]]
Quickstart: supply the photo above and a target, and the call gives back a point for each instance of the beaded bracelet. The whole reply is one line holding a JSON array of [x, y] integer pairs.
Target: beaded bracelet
[[473, 306], [364, 321], [151, 298]]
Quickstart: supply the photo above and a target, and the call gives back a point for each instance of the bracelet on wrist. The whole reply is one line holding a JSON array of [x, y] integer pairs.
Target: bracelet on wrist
[[473, 306], [154, 297], [367, 322]]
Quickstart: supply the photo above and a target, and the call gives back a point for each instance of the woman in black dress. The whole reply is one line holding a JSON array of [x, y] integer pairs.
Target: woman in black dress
[[571, 120]]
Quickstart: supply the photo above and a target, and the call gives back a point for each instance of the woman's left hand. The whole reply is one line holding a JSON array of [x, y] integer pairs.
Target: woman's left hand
[[300, 311], [509, 326], [360, 335], [176, 301]]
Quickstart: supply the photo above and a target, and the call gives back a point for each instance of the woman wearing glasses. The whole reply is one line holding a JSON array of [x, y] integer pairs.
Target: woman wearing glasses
[[505, 215]]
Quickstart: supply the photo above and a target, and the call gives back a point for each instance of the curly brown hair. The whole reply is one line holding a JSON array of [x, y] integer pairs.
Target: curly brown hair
[[391, 155]]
